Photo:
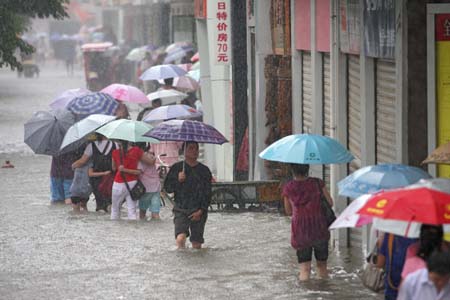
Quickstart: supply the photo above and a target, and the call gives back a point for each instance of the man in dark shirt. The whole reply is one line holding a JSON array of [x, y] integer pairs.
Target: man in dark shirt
[[190, 180]]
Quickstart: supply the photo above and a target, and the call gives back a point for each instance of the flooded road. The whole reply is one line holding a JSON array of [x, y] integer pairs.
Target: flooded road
[[46, 252]]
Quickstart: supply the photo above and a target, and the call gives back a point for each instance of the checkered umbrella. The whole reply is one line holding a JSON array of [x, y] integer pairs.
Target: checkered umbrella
[[186, 130], [94, 103]]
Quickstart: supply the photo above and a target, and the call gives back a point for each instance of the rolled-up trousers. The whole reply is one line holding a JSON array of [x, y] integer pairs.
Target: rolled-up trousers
[[119, 193]]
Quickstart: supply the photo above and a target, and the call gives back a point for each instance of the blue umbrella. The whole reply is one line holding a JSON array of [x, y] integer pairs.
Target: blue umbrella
[[94, 103], [162, 72], [374, 178], [307, 149]]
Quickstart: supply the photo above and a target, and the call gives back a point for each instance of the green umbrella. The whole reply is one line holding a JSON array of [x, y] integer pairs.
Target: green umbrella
[[127, 130]]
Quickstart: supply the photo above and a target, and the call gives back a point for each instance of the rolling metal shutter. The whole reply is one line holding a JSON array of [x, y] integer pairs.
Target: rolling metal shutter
[[306, 92], [385, 111], [326, 109], [354, 128]]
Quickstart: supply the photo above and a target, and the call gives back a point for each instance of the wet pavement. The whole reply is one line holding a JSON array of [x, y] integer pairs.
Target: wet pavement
[[47, 252]]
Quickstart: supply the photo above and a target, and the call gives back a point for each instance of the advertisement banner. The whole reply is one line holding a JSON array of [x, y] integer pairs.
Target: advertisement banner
[[222, 34], [379, 28], [349, 26], [442, 30]]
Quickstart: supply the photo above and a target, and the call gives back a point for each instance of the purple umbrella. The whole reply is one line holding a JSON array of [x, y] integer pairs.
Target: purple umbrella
[[61, 101], [186, 130]]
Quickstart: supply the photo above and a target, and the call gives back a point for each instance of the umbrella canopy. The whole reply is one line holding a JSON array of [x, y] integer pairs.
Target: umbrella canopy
[[137, 54], [45, 131], [175, 54], [127, 130], [422, 205], [307, 149], [349, 216], [440, 155], [171, 112], [94, 103], [185, 82], [74, 137], [195, 74], [125, 93], [61, 101], [195, 57], [162, 72], [374, 178], [167, 96], [186, 130]]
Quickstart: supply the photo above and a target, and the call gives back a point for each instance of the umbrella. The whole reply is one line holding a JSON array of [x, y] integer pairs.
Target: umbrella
[[195, 74], [127, 130], [171, 112], [137, 54], [307, 149], [167, 96], [175, 54], [75, 135], [440, 155], [186, 130], [162, 72], [422, 205], [186, 67], [349, 216], [94, 103], [126, 93], [45, 131], [65, 97], [374, 178], [185, 82]]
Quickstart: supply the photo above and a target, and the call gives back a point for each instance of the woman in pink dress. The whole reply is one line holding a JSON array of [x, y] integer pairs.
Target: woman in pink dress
[[309, 230]]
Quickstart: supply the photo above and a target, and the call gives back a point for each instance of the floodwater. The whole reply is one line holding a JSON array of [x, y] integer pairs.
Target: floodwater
[[46, 252]]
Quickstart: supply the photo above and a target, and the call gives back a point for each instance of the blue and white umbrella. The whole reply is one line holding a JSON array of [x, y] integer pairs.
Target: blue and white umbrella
[[307, 149], [162, 72], [94, 103], [375, 178]]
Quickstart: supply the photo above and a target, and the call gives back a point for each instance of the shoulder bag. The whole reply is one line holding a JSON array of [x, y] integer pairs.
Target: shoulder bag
[[138, 189], [327, 210], [371, 276]]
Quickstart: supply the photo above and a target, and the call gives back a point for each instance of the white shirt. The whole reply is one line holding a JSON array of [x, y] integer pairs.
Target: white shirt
[[417, 286]]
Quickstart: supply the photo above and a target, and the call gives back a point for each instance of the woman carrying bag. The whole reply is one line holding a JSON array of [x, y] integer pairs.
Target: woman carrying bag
[[125, 163]]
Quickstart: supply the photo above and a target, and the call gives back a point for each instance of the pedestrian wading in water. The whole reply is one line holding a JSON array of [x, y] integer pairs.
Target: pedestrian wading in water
[[190, 181], [309, 230]]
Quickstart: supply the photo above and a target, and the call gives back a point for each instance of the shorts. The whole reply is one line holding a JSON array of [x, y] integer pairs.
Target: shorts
[[150, 201], [193, 229], [60, 188], [320, 252], [82, 200]]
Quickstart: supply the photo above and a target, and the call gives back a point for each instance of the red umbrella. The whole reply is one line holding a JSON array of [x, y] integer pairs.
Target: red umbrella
[[421, 205]]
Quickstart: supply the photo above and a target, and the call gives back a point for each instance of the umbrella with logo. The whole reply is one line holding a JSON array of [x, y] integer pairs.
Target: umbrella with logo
[[125, 93], [178, 111], [307, 149], [127, 130], [162, 72], [75, 135], [375, 178], [94, 103], [61, 101], [45, 131]]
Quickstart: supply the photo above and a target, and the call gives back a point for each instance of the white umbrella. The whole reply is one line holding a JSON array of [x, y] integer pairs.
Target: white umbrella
[[171, 112], [162, 72], [76, 133], [349, 217], [167, 96]]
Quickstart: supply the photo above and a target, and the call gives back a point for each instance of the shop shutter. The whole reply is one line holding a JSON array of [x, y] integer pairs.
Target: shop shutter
[[354, 129], [307, 92], [354, 110], [385, 111], [326, 109]]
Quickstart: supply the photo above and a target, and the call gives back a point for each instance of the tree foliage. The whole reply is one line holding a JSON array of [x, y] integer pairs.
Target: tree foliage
[[14, 21]]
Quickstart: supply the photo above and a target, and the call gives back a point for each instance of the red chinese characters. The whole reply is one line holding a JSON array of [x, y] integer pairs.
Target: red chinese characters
[[222, 54]]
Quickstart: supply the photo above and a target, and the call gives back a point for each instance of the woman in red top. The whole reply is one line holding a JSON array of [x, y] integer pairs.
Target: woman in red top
[[125, 161], [309, 226]]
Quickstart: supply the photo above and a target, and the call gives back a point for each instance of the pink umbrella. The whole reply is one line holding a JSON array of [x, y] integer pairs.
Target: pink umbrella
[[186, 67], [185, 83], [195, 57], [126, 93]]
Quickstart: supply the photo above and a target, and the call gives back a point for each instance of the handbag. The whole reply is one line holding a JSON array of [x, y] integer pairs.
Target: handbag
[[105, 185], [326, 208], [373, 277], [138, 189]]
